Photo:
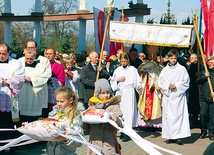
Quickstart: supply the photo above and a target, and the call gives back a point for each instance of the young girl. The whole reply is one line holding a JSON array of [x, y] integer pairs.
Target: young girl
[[104, 134], [71, 75], [125, 81], [65, 111]]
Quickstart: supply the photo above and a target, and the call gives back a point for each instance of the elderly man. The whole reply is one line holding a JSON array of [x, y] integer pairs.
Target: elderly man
[[88, 76], [104, 58], [31, 44], [206, 98], [57, 79], [142, 56], [193, 101], [12, 77], [34, 93]]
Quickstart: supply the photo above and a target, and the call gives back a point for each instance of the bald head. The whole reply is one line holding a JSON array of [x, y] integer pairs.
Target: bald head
[[4, 52], [105, 55]]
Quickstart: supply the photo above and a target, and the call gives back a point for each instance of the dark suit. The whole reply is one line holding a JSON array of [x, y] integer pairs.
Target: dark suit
[[193, 101], [207, 106], [136, 63], [113, 66], [88, 77]]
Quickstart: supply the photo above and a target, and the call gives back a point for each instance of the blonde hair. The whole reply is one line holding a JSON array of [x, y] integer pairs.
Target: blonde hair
[[71, 113], [125, 56], [72, 56], [69, 60]]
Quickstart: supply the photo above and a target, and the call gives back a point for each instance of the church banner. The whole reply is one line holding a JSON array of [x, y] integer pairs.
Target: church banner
[[152, 34]]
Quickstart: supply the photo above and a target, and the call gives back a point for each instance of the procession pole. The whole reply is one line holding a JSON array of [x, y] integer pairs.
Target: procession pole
[[199, 32], [202, 53], [122, 45], [197, 48], [103, 42]]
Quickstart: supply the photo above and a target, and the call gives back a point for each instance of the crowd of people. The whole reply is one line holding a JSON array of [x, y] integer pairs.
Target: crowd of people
[[126, 84]]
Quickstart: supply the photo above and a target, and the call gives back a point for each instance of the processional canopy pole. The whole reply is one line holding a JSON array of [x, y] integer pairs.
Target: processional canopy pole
[[122, 8], [103, 42], [195, 19]]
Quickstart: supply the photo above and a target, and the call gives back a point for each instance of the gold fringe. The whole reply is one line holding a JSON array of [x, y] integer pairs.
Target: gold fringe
[[16, 119]]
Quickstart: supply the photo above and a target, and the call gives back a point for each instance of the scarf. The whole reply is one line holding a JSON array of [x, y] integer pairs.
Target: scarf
[[100, 104], [59, 115]]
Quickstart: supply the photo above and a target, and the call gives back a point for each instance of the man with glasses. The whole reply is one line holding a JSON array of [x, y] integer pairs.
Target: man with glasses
[[34, 93], [88, 76], [31, 44], [104, 58]]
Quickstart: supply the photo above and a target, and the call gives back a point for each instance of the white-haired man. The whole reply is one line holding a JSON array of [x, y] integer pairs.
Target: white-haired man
[[88, 76]]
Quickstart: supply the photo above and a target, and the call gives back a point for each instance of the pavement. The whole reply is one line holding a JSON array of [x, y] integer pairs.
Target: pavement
[[192, 145]]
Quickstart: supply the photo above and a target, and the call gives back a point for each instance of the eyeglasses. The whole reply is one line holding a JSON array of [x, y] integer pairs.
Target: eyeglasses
[[30, 47], [29, 58]]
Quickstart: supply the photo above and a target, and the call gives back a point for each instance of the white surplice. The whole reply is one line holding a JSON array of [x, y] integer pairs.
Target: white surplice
[[175, 118], [128, 103], [72, 83], [14, 72], [34, 95]]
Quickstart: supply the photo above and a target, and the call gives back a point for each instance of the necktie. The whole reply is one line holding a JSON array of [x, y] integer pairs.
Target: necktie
[[95, 67]]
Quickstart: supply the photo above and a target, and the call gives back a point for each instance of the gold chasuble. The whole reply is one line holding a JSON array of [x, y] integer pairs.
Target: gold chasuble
[[149, 104]]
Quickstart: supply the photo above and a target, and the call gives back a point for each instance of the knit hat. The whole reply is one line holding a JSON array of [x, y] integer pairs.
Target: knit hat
[[102, 85]]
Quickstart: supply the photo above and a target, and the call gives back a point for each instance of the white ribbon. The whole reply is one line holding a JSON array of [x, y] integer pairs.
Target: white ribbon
[[147, 146], [91, 146], [14, 142], [144, 144], [29, 140]]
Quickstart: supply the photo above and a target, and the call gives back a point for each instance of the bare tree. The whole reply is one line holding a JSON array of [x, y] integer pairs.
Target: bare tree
[[54, 31], [1, 23], [1, 6]]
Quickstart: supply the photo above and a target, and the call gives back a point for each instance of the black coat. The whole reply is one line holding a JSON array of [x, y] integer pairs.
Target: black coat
[[88, 77], [193, 101], [113, 66], [136, 63], [205, 90]]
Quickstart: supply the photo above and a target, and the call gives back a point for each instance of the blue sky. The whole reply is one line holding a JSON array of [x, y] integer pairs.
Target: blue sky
[[181, 8]]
